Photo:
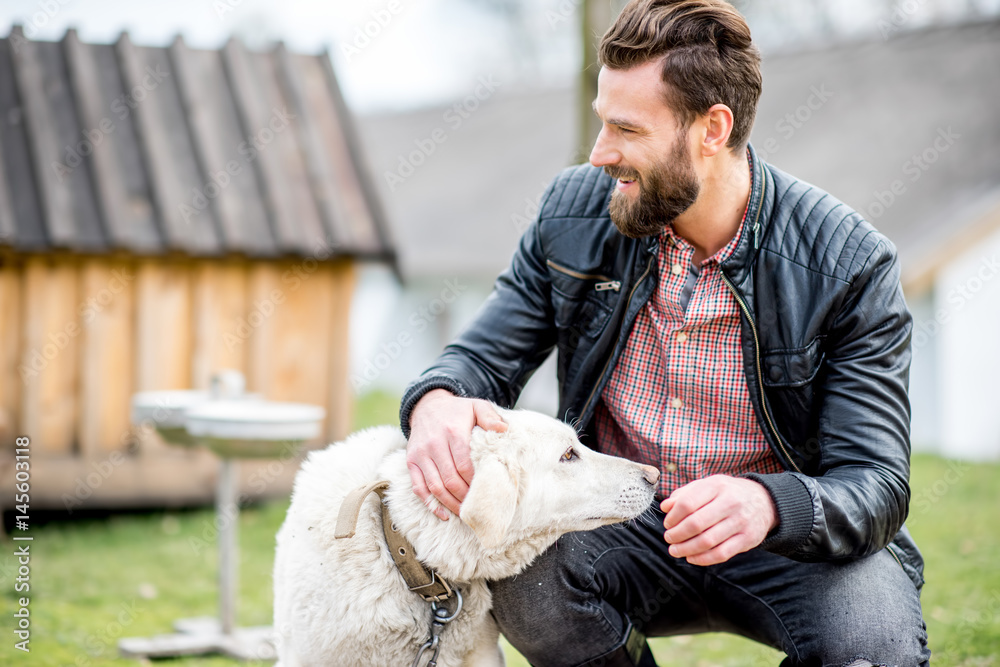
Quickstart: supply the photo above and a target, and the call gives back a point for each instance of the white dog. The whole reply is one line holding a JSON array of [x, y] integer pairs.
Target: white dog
[[342, 602]]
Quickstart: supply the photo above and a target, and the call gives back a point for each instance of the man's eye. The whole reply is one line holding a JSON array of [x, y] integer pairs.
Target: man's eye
[[570, 455]]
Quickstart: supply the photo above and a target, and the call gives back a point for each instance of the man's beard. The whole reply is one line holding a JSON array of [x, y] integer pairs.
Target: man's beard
[[667, 190]]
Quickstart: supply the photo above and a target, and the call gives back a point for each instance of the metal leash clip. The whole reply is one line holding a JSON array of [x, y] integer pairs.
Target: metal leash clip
[[439, 619]]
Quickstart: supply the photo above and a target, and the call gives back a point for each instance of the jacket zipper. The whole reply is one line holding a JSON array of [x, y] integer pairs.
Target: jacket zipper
[[577, 274], [628, 302], [892, 551], [760, 381]]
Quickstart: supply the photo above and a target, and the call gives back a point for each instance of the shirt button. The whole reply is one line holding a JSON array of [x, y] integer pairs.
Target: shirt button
[[682, 337], [677, 268], [671, 467], [676, 403]]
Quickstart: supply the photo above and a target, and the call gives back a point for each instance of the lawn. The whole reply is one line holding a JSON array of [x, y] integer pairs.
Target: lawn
[[97, 580]]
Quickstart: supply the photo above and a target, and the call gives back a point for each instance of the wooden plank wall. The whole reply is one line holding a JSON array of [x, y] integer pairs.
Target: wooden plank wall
[[11, 275], [164, 331], [49, 352], [220, 305], [302, 328], [107, 353], [340, 405], [82, 334], [298, 313]]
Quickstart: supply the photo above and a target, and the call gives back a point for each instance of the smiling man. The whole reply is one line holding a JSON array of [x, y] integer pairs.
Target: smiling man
[[739, 329]]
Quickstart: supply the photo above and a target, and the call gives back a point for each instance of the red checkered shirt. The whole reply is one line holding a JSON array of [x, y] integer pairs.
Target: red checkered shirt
[[678, 399]]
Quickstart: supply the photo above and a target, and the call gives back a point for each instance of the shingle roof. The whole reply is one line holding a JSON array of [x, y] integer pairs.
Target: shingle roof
[[154, 150]]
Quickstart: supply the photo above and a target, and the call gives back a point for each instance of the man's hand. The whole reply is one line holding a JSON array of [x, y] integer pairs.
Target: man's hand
[[711, 520], [438, 454]]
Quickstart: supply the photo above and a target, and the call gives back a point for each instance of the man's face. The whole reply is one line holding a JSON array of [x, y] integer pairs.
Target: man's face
[[644, 148]]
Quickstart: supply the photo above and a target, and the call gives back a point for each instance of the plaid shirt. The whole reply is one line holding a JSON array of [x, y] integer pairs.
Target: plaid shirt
[[677, 399]]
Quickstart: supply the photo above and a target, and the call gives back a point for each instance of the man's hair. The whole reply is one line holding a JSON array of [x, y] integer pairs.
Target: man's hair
[[707, 57]]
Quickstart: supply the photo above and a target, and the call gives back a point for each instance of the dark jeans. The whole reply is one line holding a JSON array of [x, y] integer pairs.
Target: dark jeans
[[590, 598]]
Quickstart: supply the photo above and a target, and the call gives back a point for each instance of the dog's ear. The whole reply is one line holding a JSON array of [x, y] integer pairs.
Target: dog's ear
[[488, 508]]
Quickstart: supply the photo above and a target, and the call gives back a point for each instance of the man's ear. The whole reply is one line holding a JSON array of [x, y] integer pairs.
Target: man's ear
[[718, 125], [488, 508]]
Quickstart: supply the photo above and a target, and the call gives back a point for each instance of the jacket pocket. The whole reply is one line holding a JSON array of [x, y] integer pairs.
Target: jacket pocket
[[790, 378], [576, 317], [792, 368], [582, 301]]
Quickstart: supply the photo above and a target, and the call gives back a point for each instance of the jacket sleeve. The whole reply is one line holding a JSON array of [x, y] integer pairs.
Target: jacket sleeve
[[860, 497], [508, 339]]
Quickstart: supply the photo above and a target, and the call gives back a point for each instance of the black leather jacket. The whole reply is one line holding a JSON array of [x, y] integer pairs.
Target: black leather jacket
[[825, 334]]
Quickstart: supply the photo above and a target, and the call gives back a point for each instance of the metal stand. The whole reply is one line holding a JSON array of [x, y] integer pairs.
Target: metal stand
[[228, 510], [234, 425], [196, 636]]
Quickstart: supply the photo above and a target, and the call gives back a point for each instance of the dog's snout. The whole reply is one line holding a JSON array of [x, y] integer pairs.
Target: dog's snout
[[650, 474]]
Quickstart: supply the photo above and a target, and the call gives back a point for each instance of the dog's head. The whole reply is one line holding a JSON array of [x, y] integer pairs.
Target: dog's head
[[536, 478]]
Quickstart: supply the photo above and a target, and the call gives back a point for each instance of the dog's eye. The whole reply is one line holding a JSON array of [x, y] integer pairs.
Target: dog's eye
[[570, 455]]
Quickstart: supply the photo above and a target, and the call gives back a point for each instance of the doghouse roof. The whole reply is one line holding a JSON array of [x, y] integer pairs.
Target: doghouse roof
[[110, 147]]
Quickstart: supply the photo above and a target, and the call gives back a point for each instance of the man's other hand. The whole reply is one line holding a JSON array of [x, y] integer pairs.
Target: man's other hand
[[438, 454], [711, 520]]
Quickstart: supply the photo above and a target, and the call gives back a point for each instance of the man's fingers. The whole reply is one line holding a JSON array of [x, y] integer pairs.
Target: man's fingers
[[440, 492], [736, 544], [487, 417], [704, 541], [696, 523], [461, 455], [449, 457], [711, 520], [417, 479], [422, 492], [689, 499], [454, 484], [439, 447], [427, 485]]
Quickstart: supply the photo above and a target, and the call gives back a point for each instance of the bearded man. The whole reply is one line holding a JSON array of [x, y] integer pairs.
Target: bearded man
[[715, 317]]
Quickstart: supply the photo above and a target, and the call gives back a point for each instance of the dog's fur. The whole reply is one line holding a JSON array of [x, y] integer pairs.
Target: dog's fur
[[343, 602]]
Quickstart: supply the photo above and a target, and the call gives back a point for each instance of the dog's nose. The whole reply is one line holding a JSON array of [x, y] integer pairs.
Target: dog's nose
[[651, 474]]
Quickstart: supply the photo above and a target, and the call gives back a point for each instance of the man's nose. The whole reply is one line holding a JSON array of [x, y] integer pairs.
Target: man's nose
[[604, 153]]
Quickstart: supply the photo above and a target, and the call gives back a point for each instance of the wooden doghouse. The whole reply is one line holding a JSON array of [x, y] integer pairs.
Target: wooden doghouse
[[166, 213]]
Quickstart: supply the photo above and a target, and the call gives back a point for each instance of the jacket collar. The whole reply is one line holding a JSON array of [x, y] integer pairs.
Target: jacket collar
[[738, 265]]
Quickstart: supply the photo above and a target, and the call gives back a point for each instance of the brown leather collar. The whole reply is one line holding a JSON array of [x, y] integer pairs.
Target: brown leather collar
[[423, 581]]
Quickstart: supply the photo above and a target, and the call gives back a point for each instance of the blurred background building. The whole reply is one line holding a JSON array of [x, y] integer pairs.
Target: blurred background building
[[463, 111]]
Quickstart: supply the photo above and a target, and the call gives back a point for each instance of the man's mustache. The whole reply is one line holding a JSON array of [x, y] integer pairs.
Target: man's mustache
[[621, 172]]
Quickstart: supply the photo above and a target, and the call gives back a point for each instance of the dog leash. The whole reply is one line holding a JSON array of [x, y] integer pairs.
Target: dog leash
[[438, 621], [426, 583]]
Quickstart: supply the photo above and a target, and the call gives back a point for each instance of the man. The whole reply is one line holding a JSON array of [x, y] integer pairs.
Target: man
[[740, 330]]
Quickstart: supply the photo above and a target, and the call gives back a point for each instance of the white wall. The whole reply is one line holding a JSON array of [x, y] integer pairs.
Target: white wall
[[967, 306], [925, 431], [397, 332]]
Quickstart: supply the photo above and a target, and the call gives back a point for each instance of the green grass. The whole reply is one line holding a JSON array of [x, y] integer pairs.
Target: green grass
[[95, 581]]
